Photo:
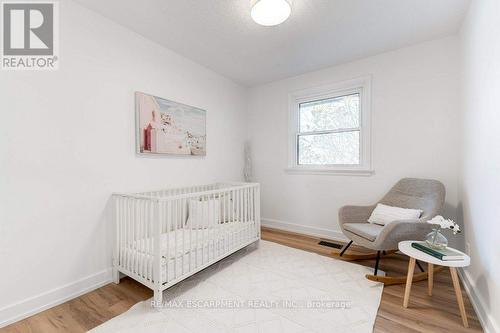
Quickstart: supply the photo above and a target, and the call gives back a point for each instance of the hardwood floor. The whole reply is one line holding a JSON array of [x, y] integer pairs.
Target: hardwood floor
[[85, 312], [437, 313]]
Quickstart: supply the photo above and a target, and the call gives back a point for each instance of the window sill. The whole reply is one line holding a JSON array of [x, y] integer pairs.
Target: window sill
[[332, 172]]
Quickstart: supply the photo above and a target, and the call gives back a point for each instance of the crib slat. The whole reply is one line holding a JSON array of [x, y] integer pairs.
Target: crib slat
[[208, 224], [190, 226], [146, 237], [151, 236], [248, 228], [169, 232], [241, 239], [183, 215], [201, 230], [131, 235], [119, 215], [238, 233], [252, 210], [244, 231], [139, 239], [142, 237], [157, 251], [201, 219], [196, 226], [124, 231], [257, 209], [134, 237], [235, 212], [127, 240], [147, 249], [235, 220], [176, 235], [213, 232]]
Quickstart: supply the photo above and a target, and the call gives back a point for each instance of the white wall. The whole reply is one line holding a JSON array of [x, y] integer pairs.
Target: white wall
[[414, 134], [68, 142], [480, 174]]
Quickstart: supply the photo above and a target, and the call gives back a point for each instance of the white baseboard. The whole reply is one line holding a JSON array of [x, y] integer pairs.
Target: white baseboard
[[303, 229], [51, 298], [487, 321]]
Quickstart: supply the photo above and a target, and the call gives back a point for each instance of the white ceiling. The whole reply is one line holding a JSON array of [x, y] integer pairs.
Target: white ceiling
[[220, 34]]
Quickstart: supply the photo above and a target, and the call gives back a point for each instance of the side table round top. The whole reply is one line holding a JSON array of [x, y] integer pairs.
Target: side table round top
[[407, 249]]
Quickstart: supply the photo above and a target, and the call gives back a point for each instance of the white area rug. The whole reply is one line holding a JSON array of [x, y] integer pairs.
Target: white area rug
[[272, 288]]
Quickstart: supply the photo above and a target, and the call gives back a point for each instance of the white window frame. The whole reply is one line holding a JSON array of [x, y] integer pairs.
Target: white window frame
[[360, 85]]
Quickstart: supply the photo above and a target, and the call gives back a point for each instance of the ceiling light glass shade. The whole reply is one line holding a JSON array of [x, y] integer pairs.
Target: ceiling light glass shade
[[271, 12]]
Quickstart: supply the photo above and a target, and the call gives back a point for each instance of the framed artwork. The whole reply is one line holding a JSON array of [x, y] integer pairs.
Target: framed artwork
[[169, 128]]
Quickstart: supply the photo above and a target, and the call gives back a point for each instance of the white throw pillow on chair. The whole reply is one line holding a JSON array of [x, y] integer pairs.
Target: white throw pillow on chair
[[384, 214]]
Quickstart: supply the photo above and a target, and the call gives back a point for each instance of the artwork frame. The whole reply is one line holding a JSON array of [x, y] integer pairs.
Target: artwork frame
[[168, 128]]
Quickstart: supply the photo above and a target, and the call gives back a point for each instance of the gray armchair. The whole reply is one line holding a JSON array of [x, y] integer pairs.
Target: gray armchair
[[425, 194]]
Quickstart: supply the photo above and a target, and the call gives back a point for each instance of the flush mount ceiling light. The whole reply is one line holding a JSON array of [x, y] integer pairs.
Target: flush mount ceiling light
[[271, 12]]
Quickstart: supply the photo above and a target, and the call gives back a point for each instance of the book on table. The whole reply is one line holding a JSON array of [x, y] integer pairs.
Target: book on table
[[446, 254]]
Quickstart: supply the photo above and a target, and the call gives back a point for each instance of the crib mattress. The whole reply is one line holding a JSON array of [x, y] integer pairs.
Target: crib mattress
[[185, 249]]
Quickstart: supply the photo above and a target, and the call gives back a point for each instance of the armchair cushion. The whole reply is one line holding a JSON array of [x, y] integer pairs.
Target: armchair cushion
[[368, 231], [383, 214]]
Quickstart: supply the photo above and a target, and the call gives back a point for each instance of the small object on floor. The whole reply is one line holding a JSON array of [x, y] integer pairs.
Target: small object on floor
[[330, 244]]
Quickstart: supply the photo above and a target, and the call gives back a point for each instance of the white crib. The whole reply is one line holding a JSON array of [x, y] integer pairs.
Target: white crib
[[163, 237]]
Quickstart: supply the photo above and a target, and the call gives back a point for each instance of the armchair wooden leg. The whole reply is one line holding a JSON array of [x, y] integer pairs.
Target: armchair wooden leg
[[392, 280], [360, 256]]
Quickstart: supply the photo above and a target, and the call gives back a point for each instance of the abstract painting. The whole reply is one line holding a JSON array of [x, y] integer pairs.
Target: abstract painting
[[167, 127]]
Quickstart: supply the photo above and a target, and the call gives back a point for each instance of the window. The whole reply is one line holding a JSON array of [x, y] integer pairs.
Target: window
[[330, 130]]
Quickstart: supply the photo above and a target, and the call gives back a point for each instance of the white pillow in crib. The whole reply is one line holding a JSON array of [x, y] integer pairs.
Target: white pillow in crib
[[383, 214], [203, 213], [228, 211]]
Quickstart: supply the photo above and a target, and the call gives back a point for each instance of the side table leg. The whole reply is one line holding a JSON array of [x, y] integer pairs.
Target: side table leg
[[409, 278], [458, 293], [430, 271]]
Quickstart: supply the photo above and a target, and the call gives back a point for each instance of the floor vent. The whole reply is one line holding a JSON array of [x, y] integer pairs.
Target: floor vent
[[330, 244]]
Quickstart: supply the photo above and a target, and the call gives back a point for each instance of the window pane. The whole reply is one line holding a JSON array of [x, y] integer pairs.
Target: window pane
[[329, 114], [331, 148]]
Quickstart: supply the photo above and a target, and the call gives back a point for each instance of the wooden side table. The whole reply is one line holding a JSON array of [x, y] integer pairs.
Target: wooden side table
[[414, 254]]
